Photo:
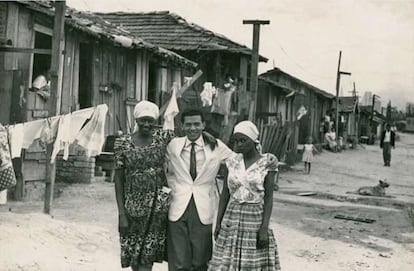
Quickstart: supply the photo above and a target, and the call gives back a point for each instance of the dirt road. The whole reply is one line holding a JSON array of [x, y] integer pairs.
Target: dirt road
[[82, 234]]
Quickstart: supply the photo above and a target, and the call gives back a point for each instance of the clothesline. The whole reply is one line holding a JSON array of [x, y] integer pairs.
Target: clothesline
[[62, 131]]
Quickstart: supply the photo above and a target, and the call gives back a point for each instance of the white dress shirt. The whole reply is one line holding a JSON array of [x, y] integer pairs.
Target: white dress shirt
[[199, 152], [387, 137]]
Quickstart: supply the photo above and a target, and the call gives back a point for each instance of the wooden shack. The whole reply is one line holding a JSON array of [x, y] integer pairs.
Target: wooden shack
[[299, 94], [101, 63], [218, 57]]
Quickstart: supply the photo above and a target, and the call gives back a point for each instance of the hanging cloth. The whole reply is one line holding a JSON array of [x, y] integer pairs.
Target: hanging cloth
[[207, 94], [16, 133], [172, 110], [92, 135], [7, 176], [62, 138]]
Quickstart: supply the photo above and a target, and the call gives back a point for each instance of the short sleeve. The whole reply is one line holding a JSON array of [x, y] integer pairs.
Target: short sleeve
[[272, 162], [168, 135], [119, 148], [224, 152]]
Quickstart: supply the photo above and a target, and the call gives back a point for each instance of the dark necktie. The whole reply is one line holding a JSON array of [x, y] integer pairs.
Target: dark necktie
[[193, 161]]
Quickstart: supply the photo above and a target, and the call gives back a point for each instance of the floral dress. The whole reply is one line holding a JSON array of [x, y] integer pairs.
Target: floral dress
[[145, 204], [235, 247]]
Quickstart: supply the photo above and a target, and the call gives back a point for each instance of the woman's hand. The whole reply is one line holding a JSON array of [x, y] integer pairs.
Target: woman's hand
[[123, 224], [216, 232], [262, 238]]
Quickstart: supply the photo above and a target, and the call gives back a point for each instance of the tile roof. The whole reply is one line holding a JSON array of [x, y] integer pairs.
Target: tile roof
[[98, 27], [173, 32]]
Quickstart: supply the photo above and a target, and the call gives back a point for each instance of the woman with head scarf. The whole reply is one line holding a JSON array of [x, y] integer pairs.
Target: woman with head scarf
[[244, 240], [142, 190]]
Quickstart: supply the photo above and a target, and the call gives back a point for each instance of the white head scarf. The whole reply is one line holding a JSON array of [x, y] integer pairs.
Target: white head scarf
[[248, 129], [146, 109]]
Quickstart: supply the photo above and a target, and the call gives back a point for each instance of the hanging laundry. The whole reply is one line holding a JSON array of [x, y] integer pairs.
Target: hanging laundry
[[7, 176], [92, 135], [222, 102], [32, 131], [172, 110], [16, 133], [78, 119], [62, 138], [301, 112], [207, 94]]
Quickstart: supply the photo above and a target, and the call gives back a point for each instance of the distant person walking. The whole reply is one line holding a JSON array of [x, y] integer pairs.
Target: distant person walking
[[307, 156], [387, 141]]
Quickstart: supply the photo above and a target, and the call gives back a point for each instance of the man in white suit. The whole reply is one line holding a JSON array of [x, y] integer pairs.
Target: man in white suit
[[193, 166]]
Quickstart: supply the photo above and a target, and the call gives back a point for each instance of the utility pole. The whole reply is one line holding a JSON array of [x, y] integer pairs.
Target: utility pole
[[58, 35], [254, 65], [373, 108], [338, 82]]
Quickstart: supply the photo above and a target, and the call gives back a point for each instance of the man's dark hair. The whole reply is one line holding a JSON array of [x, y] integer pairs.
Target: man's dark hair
[[192, 112]]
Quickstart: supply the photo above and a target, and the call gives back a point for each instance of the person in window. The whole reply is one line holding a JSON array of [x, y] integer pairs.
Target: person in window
[[41, 85]]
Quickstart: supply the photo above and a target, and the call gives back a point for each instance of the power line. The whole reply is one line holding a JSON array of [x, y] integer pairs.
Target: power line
[[86, 4], [300, 66]]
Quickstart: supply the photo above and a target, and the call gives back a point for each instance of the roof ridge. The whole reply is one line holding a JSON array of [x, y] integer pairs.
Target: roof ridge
[[180, 20], [204, 30]]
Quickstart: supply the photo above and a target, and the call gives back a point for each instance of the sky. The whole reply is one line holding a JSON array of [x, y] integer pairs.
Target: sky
[[304, 38]]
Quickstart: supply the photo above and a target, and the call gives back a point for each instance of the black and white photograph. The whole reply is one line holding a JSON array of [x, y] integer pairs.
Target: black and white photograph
[[207, 135]]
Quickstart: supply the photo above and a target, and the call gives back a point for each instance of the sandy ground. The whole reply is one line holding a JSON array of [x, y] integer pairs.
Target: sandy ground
[[82, 233]]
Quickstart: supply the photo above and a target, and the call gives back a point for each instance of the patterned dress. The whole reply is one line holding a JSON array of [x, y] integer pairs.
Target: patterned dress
[[145, 204], [235, 247]]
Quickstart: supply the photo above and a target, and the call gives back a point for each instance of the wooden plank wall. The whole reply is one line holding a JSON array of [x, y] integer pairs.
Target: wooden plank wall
[[23, 37], [110, 72], [69, 73]]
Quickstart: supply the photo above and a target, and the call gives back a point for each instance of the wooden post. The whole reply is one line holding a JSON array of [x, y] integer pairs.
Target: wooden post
[[58, 35], [254, 65], [338, 82]]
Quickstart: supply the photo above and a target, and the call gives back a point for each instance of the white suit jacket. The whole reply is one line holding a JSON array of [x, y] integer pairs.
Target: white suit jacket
[[202, 188]]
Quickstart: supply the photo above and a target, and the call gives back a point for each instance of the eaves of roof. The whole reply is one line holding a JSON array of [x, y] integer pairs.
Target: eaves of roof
[[97, 27], [313, 88], [284, 88]]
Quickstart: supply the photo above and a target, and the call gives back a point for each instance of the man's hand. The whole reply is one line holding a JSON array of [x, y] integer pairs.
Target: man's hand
[[210, 140], [123, 224], [272, 162]]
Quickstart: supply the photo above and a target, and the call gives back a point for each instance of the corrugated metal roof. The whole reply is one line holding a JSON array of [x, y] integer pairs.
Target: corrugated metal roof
[[173, 32], [102, 29], [315, 89]]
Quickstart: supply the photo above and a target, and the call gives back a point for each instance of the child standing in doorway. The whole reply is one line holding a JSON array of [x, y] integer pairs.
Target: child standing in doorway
[[307, 156]]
